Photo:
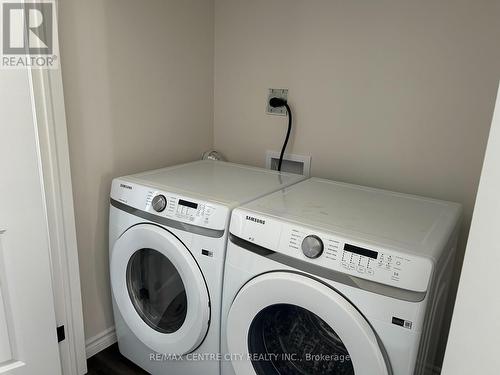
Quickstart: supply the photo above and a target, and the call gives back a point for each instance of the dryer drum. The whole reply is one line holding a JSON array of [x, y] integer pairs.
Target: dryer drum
[[288, 339], [176, 311], [156, 291]]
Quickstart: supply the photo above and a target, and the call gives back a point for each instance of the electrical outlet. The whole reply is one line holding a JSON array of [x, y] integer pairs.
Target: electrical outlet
[[276, 93]]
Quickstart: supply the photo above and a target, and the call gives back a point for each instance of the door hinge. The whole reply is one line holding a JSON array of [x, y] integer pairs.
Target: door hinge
[[61, 335]]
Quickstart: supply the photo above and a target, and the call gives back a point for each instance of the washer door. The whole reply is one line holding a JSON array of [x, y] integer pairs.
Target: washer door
[[288, 323], [160, 290]]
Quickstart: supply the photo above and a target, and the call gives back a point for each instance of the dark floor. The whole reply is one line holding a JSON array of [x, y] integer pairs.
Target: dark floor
[[111, 362]]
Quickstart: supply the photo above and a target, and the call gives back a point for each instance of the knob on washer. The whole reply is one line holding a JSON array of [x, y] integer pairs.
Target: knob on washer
[[312, 246], [159, 203]]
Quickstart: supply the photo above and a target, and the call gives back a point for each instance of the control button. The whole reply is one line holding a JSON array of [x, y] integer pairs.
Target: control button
[[312, 246], [361, 269], [369, 271], [159, 203]]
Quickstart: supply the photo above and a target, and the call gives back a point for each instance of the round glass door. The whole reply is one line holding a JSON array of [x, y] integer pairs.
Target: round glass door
[[288, 323], [156, 290], [288, 339], [159, 289]]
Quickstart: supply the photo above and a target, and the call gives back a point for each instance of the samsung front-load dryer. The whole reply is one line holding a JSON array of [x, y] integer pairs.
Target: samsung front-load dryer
[[330, 278], [168, 233]]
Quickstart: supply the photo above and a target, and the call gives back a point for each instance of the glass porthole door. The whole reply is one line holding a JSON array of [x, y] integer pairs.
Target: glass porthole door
[[288, 339], [156, 290], [299, 326], [159, 290]]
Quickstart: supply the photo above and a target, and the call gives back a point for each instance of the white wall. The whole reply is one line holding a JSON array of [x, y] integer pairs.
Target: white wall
[[138, 81], [473, 342]]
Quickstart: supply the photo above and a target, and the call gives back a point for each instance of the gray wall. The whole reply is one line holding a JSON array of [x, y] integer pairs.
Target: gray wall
[[132, 71]]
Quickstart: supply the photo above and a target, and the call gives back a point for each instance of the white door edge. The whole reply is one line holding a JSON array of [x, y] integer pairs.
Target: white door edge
[[28, 307], [48, 99]]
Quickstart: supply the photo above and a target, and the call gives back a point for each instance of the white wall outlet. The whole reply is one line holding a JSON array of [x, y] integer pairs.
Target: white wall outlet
[[276, 93]]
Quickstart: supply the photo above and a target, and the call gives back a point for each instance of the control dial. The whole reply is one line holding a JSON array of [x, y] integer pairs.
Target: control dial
[[312, 246], [159, 203]]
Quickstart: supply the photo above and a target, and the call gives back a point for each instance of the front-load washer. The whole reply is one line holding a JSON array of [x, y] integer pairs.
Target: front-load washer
[[331, 278], [168, 233]]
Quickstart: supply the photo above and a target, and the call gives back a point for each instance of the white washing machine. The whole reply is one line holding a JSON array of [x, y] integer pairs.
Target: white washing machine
[[168, 233], [331, 278]]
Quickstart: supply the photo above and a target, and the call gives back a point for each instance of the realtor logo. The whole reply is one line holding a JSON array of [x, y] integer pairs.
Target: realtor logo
[[28, 34]]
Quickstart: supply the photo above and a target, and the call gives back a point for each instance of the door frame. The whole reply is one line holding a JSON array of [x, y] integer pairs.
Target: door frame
[[50, 118]]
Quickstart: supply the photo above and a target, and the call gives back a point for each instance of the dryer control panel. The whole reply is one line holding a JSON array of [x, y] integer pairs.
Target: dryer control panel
[[335, 252], [170, 205]]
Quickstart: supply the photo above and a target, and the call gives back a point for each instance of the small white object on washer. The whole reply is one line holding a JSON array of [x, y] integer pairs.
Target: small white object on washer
[[332, 278], [168, 232]]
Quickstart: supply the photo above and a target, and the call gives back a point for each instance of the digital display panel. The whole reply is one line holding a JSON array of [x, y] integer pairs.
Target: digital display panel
[[182, 202], [361, 251]]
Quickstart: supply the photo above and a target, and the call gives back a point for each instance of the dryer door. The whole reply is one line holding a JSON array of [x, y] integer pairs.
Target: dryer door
[[287, 323], [160, 290]]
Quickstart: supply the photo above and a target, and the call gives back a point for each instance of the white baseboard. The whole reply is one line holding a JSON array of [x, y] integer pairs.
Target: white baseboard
[[100, 341]]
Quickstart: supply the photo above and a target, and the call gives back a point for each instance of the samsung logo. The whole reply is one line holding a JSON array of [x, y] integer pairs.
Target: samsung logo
[[126, 186], [255, 220]]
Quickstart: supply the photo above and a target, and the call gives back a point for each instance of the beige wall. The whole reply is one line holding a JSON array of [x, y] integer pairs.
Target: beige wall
[[392, 94], [138, 90]]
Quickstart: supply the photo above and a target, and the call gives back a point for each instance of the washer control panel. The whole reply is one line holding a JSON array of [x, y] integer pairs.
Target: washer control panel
[[335, 252], [361, 260], [170, 205]]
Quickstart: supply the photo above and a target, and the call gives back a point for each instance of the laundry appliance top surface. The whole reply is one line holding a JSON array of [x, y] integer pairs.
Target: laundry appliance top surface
[[225, 183], [411, 223]]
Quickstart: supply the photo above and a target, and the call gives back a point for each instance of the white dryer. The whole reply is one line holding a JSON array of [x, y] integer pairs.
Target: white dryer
[[168, 234], [331, 278]]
